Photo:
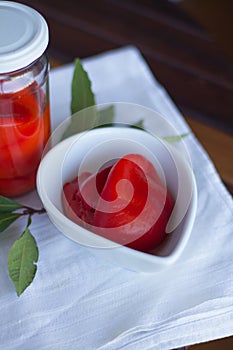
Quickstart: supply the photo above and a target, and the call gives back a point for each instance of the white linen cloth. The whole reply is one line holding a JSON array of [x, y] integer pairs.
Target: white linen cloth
[[79, 302]]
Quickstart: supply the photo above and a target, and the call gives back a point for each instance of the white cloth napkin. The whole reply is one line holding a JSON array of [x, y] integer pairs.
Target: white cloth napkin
[[79, 302]]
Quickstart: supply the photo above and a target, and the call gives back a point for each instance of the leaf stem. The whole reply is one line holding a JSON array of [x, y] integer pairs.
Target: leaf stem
[[31, 211]]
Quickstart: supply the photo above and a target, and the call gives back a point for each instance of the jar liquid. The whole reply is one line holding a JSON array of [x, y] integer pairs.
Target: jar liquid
[[24, 131]]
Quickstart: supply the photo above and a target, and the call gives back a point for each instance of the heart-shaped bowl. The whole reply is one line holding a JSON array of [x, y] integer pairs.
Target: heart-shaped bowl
[[97, 146]]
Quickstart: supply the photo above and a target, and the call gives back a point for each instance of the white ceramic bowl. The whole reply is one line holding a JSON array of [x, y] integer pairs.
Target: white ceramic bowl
[[96, 147]]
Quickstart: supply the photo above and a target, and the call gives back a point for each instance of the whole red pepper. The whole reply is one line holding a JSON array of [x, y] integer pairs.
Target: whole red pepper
[[131, 205]]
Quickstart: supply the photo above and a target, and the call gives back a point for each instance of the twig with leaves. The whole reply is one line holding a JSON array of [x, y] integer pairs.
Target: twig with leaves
[[23, 254]]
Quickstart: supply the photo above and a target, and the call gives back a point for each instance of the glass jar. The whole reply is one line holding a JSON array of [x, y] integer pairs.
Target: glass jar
[[24, 96]]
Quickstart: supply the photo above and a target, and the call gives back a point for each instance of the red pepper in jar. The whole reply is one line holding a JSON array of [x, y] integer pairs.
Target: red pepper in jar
[[24, 131], [131, 205]]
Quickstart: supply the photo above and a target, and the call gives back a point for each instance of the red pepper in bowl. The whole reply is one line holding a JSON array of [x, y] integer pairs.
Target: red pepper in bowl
[[126, 202]]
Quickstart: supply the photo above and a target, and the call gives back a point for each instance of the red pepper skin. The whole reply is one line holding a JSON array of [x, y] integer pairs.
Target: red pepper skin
[[133, 212], [140, 224], [156, 234]]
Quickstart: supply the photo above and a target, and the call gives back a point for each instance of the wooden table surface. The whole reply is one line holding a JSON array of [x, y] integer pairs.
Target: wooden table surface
[[183, 56]]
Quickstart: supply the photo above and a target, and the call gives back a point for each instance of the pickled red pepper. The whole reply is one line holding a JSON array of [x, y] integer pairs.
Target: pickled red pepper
[[24, 131], [134, 212]]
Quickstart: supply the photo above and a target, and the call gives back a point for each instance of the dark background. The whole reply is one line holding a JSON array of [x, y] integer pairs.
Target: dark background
[[187, 45]]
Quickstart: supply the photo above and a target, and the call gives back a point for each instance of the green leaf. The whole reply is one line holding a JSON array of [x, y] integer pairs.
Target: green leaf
[[138, 125], [21, 261], [105, 116], [8, 205], [82, 95], [6, 219], [84, 113], [172, 139], [81, 121], [85, 116], [88, 119]]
